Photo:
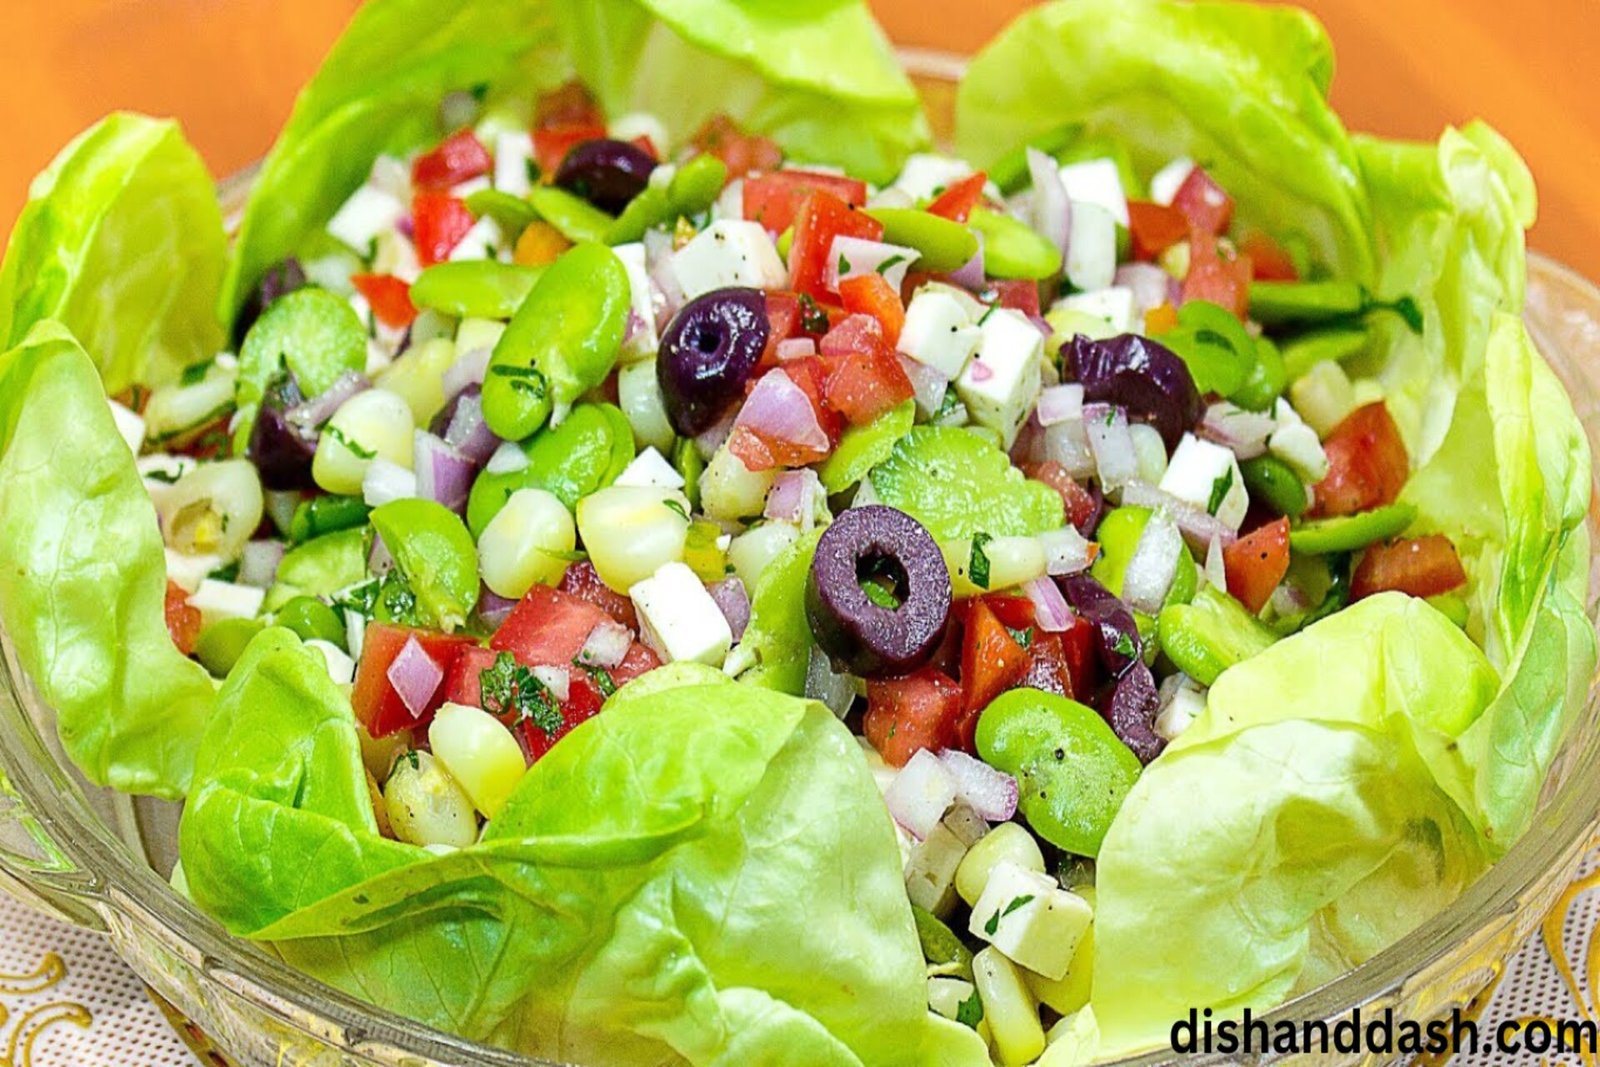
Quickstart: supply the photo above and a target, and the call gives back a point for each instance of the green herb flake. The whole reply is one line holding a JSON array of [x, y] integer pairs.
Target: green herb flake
[[844, 265], [1023, 637], [893, 261], [1021, 901], [508, 688], [812, 318], [1219, 491], [1124, 646], [970, 1011], [675, 506], [528, 380], [196, 373], [356, 448], [880, 596], [978, 565]]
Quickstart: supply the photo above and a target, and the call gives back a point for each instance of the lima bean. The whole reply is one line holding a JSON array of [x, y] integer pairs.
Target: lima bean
[[475, 288]]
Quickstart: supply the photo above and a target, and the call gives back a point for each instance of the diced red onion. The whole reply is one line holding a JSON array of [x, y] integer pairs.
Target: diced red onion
[[386, 482], [730, 204], [406, 227], [319, 409], [1050, 608], [443, 474], [508, 458], [658, 253], [861, 256], [468, 369], [1289, 599], [259, 564], [793, 498], [1148, 283], [1198, 527], [1174, 292], [823, 683], [556, 679], [921, 793], [493, 608], [779, 409], [1216, 569], [1154, 565], [606, 646], [635, 326], [708, 442], [1051, 207], [1065, 552], [796, 348], [1042, 324], [734, 603], [468, 433], [970, 275], [415, 677], [1058, 403], [928, 385], [1243, 432], [991, 793], [1115, 461], [1067, 443], [379, 560]]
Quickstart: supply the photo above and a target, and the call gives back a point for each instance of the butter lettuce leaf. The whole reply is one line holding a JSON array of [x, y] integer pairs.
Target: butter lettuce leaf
[[957, 485], [121, 241], [83, 588]]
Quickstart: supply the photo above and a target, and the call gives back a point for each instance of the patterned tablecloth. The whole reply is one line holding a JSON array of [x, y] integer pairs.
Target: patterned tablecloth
[[66, 1000]]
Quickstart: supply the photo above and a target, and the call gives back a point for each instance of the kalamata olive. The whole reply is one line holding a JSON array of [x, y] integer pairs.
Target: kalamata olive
[[1130, 708], [1137, 374], [281, 451], [279, 280], [606, 173], [707, 353], [1116, 635], [878, 595]]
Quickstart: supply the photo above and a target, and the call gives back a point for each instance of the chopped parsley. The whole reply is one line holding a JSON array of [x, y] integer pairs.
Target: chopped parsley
[[989, 311], [360, 450], [530, 380], [196, 373], [509, 688], [602, 680], [970, 1011], [812, 318], [879, 595], [164, 477], [361, 599], [844, 265], [1024, 636], [993, 924], [892, 261], [978, 566], [674, 505], [947, 405], [411, 757], [396, 601], [1124, 646], [1219, 491]]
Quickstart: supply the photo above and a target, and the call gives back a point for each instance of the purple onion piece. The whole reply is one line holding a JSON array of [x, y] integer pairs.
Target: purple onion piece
[[311, 414], [734, 603], [1146, 379], [1131, 708], [278, 280], [1116, 634], [281, 450]]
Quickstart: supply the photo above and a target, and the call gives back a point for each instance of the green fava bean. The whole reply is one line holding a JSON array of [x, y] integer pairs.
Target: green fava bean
[[687, 461], [1118, 537], [1273, 481], [435, 554], [1278, 303], [651, 208], [586, 452], [941, 245], [475, 288], [1072, 770], [1210, 634], [326, 514], [315, 334], [561, 343], [512, 213], [1013, 249], [1350, 532], [693, 189], [312, 620], [576, 219], [223, 642], [1307, 350], [1214, 345], [1266, 381], [321, 567]]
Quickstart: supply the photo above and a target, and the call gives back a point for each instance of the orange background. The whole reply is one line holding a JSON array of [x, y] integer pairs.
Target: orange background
[[229, 70]]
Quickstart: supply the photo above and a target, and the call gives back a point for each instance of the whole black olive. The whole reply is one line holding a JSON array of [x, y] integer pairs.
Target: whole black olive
[[878, 595], [707, 353], [608, 174], [281, 451], [1130, 709], [280, 279], [1135, 373], [1116, 634]]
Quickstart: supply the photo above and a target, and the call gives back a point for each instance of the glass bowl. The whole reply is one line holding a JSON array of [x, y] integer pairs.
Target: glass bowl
[[91, 857]]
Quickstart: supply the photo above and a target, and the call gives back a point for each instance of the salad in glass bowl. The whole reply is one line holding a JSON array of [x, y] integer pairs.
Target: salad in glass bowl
[[631, 554]]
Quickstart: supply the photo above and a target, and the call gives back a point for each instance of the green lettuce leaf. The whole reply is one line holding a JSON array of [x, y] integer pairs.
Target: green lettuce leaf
[[83, 590], [818, 78], [1240, 88], [957, 485], [121, 241]]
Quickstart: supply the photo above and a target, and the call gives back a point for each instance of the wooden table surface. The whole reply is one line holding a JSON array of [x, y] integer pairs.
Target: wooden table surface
[[229, 70]]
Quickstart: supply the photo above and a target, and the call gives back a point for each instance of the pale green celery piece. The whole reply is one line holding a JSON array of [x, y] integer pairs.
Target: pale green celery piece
[[958, 485], [864, 447], [776, 648]]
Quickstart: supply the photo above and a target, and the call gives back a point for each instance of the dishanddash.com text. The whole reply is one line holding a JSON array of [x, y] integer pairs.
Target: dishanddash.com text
[[1380, 1033]]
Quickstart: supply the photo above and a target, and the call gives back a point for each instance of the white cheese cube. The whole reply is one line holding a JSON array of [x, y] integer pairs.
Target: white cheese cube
[[1200, 470], [1030, 919], [483, 241], [130, 425], [946, 995], [1092, 247], [1169, 179], [462, 190], [644, 341], [633, 124], [1297, 445], [926, 175], [226, 600], [931, 870], [513, 150], [651, 468], [728, 253], [1001, 382], [1098, 182], [341, 668], [678, 618], [939, 332], [369, 212], [1115, 306], [187, 572]]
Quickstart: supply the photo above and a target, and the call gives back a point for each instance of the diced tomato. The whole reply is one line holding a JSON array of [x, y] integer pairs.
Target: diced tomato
[[644, 144], [855, 333], [1367, 463], [871, 294], [583, 703], [1160, 320], [1206, 205], [1419, 566], [552, 143], [459, 158], [639, 660], [992, 661], [957, 201], [1083, 663], [581, 580], [183, 619], [569, 104], [1154, 228], [823, 217], [440, 221], [463, 681], [1014, 612], [1217, 276], [740, 151], [390, 298], [376, 702], [906, 715], [1048, 668], [1269, 262], [1256, 563], [548, 627], [1018, 295], [865, 384], [774, 199], [1079, 502], [760, 452]]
